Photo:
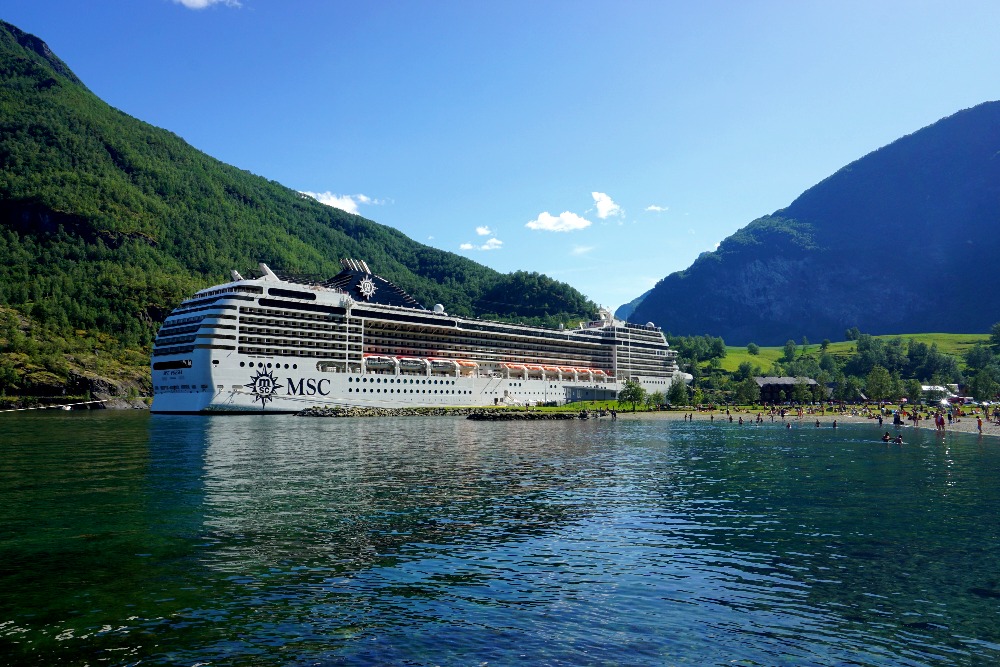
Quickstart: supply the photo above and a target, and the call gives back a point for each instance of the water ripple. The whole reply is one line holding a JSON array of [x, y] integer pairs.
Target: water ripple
[[132, 539]]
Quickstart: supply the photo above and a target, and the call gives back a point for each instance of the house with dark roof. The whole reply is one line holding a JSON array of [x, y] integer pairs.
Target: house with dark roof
[[780, 389]]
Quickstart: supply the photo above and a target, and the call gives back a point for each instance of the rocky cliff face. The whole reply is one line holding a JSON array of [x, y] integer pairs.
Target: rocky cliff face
[[902, 240]]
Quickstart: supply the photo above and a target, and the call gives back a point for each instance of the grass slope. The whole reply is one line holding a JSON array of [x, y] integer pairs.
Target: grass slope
[[953, 344]]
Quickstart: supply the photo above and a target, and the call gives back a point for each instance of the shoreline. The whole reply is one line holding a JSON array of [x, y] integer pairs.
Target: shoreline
[[966, 424]]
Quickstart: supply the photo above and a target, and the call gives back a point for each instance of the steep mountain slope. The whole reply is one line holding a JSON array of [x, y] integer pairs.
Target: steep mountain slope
[[107, 222], [900, 240]]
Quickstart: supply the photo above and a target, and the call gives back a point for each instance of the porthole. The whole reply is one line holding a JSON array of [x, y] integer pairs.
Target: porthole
[[242, 364], [350, 379]]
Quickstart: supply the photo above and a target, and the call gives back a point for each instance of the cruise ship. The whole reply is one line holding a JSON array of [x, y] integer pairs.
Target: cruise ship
[[274, 344]]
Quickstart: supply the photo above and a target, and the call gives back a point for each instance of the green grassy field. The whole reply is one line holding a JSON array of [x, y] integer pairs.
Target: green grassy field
[[953, 344]]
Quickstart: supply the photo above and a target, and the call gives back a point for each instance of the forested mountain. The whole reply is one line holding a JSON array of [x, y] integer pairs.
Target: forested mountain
[[903, 239], [107, 223]]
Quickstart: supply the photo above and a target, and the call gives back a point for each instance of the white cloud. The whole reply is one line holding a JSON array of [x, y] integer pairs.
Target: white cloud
[[202, 4], [347, 203], [657, 209], [491, 244], [606, 207], [581, 249], [484, 230], [565, 222]]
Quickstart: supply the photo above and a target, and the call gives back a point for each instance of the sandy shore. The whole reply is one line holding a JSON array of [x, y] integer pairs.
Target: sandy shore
[[965, 424]]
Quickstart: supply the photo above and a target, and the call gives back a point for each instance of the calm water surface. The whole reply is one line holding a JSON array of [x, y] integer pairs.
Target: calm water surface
[[137, 539]]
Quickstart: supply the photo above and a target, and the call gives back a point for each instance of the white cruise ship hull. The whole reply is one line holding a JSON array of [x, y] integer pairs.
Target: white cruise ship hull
[[269, 345], [279, 390]]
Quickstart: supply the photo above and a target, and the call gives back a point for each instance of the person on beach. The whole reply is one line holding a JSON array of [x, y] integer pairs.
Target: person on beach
[[979, 424]]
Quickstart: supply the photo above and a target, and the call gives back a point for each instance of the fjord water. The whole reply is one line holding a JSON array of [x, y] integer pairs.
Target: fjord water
[[138, 539]]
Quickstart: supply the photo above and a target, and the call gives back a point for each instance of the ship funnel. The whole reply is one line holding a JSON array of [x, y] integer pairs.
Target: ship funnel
[[268, 273], [354, 265]]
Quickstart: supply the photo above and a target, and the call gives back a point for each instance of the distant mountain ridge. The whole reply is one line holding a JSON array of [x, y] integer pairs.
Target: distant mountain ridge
[[903, 239]]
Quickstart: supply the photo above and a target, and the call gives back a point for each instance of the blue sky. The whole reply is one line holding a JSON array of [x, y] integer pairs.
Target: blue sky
[[605, 144]]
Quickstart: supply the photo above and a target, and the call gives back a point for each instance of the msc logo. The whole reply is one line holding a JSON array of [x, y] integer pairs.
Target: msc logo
[[263, 386]]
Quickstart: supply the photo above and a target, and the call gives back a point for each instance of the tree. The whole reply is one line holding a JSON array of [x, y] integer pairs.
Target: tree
[[986, 384], [805, 343], [978, 357], [745, 370], [801, 389], [825, 345], [828, 363], [654, 399], [632, 393], [753, 348], [677, 394], [748, 392], [789, 350], [914, 391], [878, 384], [852, 334], [995, 337], [697, 397]]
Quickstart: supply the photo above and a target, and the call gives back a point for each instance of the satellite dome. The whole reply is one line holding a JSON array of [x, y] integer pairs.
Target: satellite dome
[[439, 309]]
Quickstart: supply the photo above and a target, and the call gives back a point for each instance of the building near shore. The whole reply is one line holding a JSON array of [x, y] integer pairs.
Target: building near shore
[[775, 389]]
